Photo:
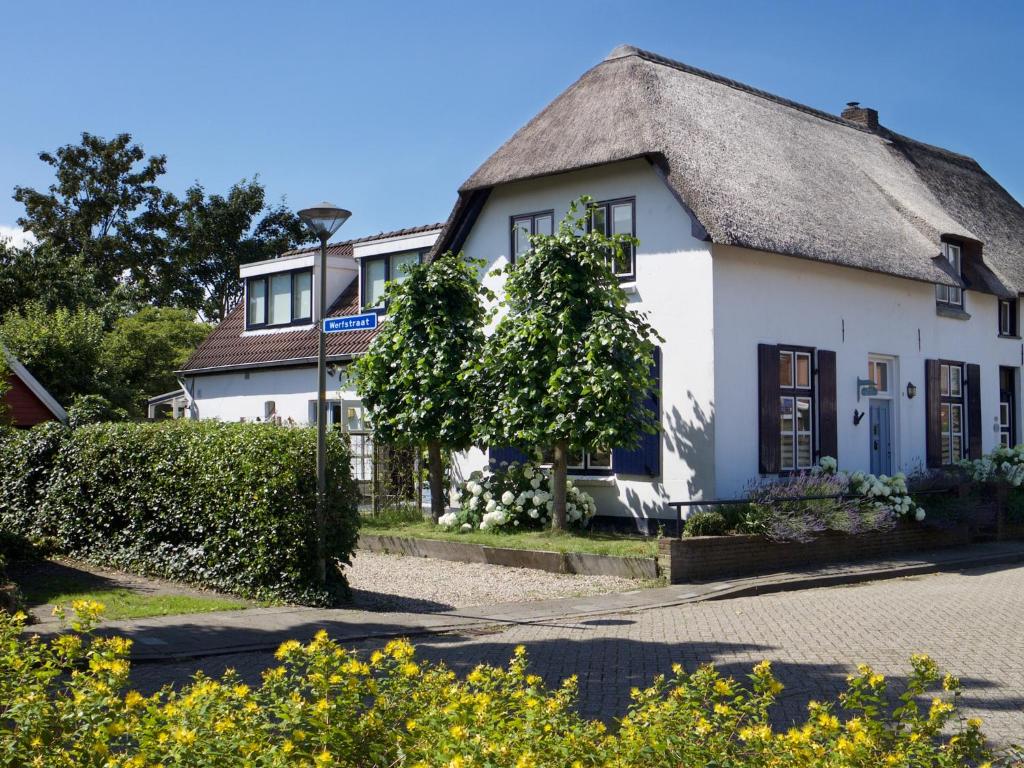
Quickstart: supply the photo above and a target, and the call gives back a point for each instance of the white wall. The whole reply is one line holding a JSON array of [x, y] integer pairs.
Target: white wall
[[239, 394], [673, 285], [767, 298]]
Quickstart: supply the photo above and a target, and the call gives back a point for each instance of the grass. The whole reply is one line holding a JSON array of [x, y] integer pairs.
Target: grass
[[411, 524], [121, 603]]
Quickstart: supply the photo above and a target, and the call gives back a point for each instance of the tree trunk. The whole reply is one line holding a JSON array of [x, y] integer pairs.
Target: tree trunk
[[438, 497], [558, 472]]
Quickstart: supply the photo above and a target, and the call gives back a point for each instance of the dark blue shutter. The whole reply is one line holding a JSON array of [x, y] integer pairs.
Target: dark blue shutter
[[498, 455], [646, 458]]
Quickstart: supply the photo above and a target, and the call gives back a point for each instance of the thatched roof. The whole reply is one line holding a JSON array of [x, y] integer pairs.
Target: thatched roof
[[759, 171]]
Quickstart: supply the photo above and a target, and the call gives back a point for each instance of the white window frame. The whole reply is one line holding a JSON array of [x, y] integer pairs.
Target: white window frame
[[795, 394], [951, 294], [951, 400]]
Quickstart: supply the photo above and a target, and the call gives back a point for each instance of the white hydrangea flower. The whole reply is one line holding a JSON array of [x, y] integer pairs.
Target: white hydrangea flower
[[507, 498], [466, 527], [447, 520], [490, 506], [919, 515]]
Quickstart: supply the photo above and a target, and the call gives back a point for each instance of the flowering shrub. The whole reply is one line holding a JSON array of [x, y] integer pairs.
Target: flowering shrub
[[515, 496], [883, 493], [66, 702], [1001, 465]]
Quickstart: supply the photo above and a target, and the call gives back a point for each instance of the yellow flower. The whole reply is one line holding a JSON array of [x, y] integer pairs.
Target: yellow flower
[[677, 669], [723, 709], [376, 657], [286, 648], [287, 747], [827, 721], [722, 688], [457, 731], [974, 722], [409, 669], [410, 725], [240, 691], [132, 699], [323, 758], [520, 650]]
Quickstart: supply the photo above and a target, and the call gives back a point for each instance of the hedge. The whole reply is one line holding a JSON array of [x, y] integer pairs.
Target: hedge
[[67, 703], [225, 506]]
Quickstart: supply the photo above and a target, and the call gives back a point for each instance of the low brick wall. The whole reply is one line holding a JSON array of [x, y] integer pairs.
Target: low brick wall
[[553, 562], [706, 558]]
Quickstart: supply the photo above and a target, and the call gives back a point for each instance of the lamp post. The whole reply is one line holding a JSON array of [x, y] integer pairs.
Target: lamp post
[[324, 220]]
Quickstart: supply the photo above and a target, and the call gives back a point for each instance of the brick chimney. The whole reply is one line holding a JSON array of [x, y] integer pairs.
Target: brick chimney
[[862, 116]]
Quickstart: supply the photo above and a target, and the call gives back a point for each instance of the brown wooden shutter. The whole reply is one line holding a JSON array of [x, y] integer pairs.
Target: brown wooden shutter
[[828, 416], [974, 411], [933, 412], [769, 438]]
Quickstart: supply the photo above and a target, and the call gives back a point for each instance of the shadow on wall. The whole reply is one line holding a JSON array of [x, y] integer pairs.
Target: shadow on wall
[[693, 440]]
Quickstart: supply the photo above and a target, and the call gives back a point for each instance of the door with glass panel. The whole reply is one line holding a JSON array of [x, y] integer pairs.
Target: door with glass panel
[[881, 372], [1007, 407]]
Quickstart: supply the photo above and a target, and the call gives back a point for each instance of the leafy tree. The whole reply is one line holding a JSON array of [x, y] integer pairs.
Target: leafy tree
[[566, 367], [35, 272], [141, 352], [106, 213], [216, 234], [61, 349], [414, 379]]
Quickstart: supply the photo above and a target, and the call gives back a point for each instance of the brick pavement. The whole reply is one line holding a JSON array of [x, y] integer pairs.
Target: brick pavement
[[971, 622]]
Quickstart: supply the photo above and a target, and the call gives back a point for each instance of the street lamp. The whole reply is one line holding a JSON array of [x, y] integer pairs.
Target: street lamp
[[324, 220]]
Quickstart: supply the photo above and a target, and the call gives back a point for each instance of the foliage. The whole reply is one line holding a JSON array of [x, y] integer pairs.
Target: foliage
[[515, 496], [5, 387], [26, 462], [67, 703], [216, 234], [61, 349], [141, 352], [111, 240], [226, 506], [106, 211], [706, 523], [567, 365], [1000, 465], [93, 409], [414, 380]]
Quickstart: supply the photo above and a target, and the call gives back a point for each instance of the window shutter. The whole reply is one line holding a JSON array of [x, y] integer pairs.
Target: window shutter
[[769, 438], [974, 411], [933, 415], [828, 422], [498, 455], [646, 458]]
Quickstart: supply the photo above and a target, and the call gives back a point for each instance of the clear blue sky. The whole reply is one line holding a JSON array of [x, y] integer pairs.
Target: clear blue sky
[[386, 108]]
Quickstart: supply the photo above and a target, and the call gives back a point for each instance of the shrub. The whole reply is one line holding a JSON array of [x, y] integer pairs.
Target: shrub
[[774, 515], [1001, 465], [26, 458], [227, 506], [93, 409], [66, 702], [706, 523], [515, 496]]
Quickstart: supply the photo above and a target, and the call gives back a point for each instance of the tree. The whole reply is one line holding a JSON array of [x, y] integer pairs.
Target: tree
[[567, 366], [414, 380], [61, 349], [106, 213], [141, 352], [216, 235]]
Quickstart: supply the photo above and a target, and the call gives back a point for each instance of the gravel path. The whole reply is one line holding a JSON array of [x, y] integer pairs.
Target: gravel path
[[398, 583]]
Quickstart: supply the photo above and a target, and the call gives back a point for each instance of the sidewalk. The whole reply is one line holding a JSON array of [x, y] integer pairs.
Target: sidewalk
[[260, 629]]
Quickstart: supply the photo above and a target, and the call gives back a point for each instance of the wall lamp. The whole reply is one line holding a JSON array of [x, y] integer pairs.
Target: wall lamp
[[911, 390]]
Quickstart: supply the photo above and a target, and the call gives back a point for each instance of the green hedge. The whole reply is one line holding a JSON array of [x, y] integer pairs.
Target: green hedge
[[226, 506]]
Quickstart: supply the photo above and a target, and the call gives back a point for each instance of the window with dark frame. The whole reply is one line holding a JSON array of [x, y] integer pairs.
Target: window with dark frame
[[617, 217], [375, 272], [1008, 317], [796, 408], [950, 294], [951, 411], [526, 224], [279, 299]]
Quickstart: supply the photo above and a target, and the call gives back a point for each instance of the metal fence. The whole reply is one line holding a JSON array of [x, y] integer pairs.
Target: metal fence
[[388, 476]]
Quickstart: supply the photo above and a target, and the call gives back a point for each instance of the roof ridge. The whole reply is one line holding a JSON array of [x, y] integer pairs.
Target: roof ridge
[[623, 51], [378, 236]]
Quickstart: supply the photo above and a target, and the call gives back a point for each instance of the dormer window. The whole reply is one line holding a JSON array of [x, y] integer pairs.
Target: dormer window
[[280, 299], [950, 294], [378, 271]]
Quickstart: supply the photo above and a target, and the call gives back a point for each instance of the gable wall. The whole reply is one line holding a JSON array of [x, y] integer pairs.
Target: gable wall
[[673, 286], [23, 407]]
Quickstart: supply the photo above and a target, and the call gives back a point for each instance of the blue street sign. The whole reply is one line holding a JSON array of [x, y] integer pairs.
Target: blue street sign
[[365, 322]]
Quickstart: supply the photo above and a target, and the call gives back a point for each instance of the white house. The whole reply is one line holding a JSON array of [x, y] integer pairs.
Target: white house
[[260, 363], [824, 285]]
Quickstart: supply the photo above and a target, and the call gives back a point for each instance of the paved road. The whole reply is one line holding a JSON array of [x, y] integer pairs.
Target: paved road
[[972, 623]]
